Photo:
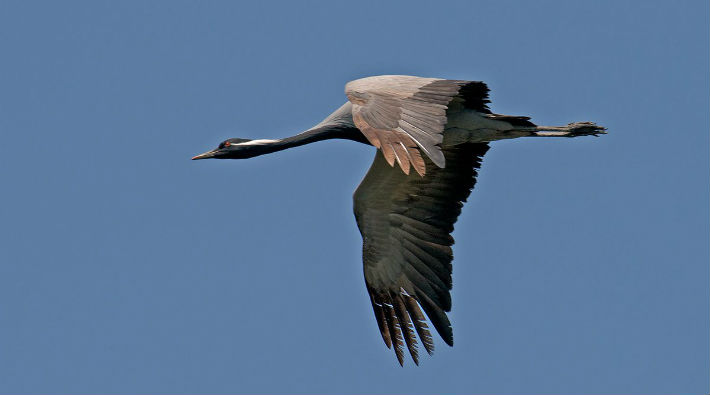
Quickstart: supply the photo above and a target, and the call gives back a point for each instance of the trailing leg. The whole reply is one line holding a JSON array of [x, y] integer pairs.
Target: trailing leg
[[570, 130], [521, 126]]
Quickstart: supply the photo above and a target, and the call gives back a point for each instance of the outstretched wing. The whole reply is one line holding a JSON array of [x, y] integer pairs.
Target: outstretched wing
[[403, 115], [406, 223]]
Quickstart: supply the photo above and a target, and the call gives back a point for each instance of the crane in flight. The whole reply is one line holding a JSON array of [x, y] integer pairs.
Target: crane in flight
[[441, 129]]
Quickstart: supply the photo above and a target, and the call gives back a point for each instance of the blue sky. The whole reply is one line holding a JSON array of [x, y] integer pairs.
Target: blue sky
[[581, 265]]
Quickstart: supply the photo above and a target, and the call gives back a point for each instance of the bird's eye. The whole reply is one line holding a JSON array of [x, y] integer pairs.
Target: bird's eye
[[227, 143]]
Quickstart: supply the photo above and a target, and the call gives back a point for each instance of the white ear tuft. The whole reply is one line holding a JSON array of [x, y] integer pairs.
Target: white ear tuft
[[257, 142]]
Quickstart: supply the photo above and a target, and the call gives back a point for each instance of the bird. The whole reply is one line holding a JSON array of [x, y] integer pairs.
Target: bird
[[441, 129]]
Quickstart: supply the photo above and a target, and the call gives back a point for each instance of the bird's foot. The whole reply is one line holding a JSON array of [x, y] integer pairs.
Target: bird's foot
[[584, 129]]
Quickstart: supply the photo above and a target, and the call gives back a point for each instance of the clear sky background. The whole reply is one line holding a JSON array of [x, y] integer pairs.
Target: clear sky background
[[581, 265]]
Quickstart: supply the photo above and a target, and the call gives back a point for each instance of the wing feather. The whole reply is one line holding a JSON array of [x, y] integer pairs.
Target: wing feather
[[393, 324], [419, 322], [405, 325], [381, 319]]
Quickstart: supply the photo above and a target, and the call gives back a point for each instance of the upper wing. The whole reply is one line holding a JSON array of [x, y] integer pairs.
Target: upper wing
[[403, 114], [406, 223]]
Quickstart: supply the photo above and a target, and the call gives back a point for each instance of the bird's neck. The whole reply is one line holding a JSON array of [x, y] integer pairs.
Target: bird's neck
[[319, 133]]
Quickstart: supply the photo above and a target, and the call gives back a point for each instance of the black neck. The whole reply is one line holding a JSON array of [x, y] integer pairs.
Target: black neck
[[312, 135]]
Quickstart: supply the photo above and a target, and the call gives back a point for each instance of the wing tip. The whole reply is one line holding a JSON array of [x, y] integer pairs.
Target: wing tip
[[402, 323]]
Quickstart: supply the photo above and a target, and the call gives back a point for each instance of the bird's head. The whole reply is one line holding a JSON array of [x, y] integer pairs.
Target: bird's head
[[236, 148]]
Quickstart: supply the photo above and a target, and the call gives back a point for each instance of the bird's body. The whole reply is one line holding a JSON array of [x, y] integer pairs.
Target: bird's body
[[441, 129]]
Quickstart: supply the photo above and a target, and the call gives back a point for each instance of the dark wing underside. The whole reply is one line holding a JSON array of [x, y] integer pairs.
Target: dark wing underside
[[405, 116], [406, 223]]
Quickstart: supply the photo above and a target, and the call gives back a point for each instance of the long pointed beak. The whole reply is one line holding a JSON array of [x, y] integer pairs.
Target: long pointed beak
[[206, 155]]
